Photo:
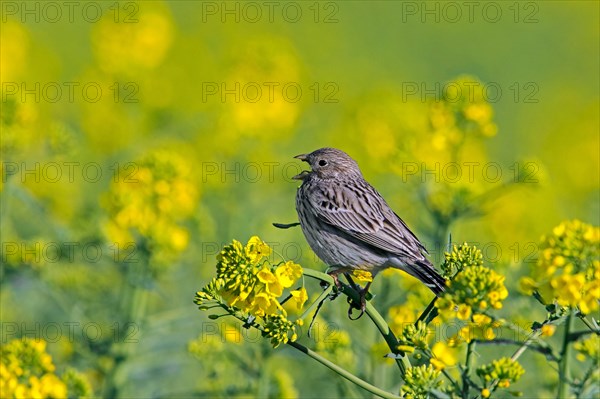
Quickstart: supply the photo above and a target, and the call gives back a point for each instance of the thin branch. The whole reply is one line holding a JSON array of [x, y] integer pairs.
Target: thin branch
[[429, 313], [343, 372], [504, 341], [589, 325], [532, 337], [389, 337], [576, 335], [467, 371], [588, 374], [564, 365]]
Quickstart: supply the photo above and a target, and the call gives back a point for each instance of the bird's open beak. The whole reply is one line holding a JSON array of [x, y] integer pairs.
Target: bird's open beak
[[301, 175], [301, 157], [304, 173]]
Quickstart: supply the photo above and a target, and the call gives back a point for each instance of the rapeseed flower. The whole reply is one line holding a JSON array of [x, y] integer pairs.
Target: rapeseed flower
[[568, 270], [247, 282]]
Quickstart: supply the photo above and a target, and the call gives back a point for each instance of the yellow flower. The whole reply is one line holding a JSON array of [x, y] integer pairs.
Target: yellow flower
[[588, 349], [504, 383], [27, 371], [548, 330], [231, 333], [485, 393], [481, 319], [559, 230], [288, 273], [271, 282], [567, 269], [256, 249], [285, 383], [363, 276], [406, 348], [300, 296], [465, 334], [464, 312], [400, 316], [444, 356], [262, 305]]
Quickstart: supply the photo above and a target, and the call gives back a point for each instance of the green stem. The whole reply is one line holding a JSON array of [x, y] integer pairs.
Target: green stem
[[136, 295], [316, 303], [384, 329], [588, 324], [263, 381], [429, 313], [586, 377], [544, 350], [318, 275], [343, 372], [468, 364], [564, 371], [389, 337]]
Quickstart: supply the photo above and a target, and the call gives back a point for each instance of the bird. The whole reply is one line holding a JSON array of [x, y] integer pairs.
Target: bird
[[350, 226]]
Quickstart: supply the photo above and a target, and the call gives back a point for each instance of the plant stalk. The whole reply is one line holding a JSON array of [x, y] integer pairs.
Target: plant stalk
[[344, 373], [468, 364], [387, 334], [564, 371]]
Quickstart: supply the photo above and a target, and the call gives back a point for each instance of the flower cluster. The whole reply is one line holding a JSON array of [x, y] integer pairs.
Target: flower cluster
[[279, 329], [463, 110], [588, 349], [460, 258], [413, 336], [146, 201], [474, 289], [505, 370], [27, 371], [419, 381], [128, 48], [363, 276], [480, 326], [568, 269], [443, 356], [247, 282]]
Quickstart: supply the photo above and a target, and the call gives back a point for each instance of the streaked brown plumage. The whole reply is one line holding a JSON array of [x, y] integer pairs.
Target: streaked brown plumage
[[349, 225]]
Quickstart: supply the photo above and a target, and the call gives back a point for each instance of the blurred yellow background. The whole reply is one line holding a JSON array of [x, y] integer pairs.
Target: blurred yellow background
[[139, 137]]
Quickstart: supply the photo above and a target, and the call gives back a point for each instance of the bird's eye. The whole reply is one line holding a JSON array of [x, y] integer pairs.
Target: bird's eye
[[322, 162]]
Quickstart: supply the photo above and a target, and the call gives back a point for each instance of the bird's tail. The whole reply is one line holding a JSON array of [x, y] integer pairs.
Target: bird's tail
[[424, 271]]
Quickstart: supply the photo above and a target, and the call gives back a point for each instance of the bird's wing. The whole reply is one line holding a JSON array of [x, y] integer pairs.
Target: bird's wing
[[362, 213]]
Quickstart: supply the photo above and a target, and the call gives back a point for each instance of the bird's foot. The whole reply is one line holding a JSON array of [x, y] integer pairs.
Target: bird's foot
[[361, 306], [362, 303], [336, 280]]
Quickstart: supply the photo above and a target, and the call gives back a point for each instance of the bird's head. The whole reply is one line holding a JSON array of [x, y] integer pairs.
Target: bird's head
[[328, 163]]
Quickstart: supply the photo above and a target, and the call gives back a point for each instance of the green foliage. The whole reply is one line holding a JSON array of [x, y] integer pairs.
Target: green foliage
[[420, 381], [177, 183]]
